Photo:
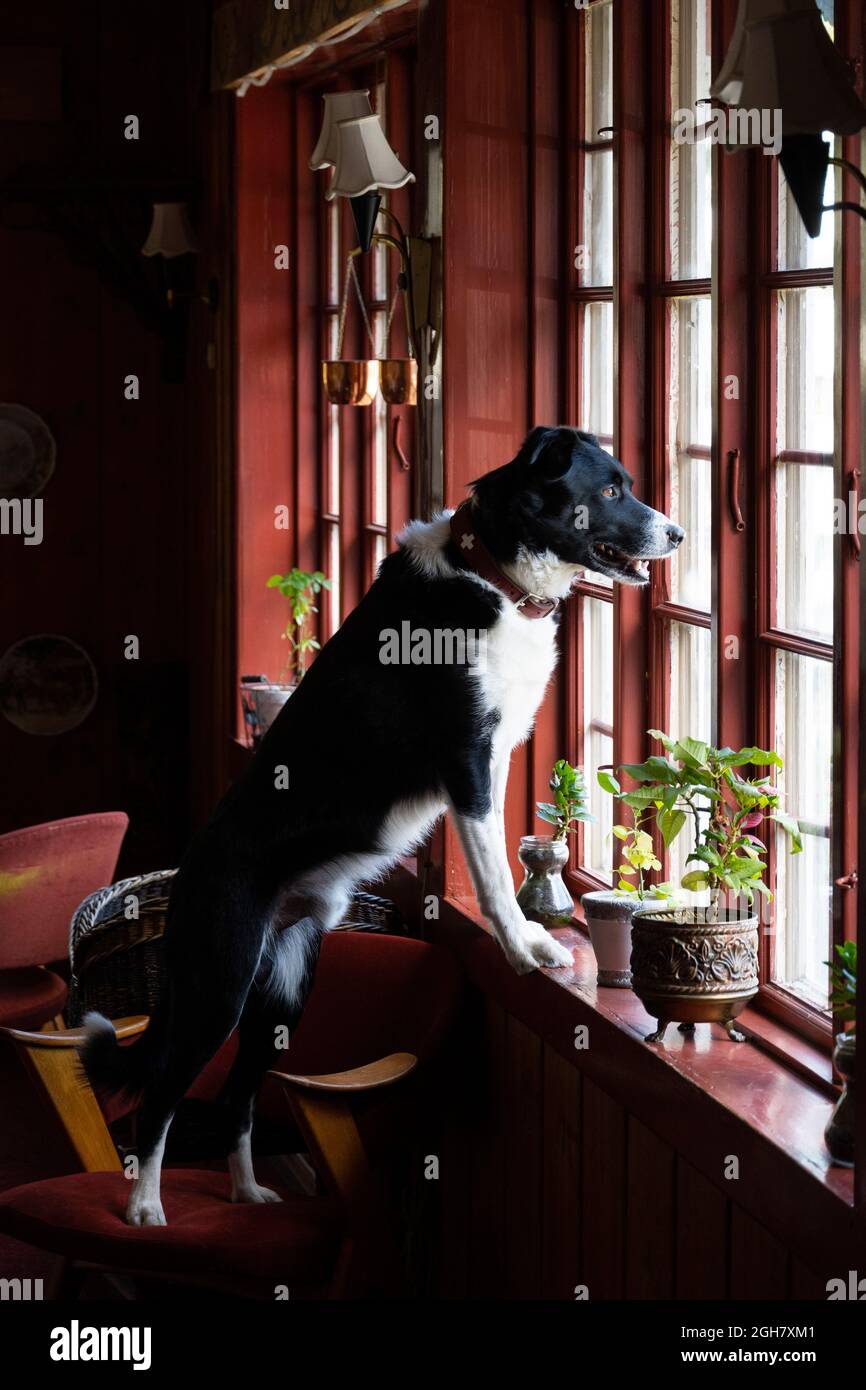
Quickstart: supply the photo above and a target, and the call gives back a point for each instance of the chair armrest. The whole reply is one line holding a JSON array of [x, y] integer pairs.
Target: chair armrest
[[72, 1037], [382, 1073]]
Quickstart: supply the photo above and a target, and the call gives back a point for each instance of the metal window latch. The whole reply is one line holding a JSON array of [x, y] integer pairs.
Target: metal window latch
[[847, 880]]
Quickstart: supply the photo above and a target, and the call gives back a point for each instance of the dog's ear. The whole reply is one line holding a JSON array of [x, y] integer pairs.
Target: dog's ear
[[548, 451]]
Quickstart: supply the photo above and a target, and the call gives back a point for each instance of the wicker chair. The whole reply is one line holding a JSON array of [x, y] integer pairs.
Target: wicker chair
[[116, 947]]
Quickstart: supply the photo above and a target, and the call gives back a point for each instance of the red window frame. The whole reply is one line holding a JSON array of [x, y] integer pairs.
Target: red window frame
[[742, 288]]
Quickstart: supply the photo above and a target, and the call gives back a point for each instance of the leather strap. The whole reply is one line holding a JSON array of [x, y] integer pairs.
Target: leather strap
[[477, 557]]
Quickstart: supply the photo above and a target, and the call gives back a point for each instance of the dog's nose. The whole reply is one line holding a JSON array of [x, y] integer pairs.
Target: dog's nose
[[675, 534]]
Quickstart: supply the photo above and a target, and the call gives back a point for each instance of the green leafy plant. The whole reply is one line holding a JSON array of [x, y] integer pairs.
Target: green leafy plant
[[300, 588], [843, 981], [695, 781], [638, 852], [569, 799]]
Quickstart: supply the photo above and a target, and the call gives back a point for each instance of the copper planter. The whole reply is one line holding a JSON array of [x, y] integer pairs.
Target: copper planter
[[398, 380], [351, 382], [688, 969]]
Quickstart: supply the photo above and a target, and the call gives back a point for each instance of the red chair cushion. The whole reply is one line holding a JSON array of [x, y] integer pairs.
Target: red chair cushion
[[207, 1236], [30, 997]]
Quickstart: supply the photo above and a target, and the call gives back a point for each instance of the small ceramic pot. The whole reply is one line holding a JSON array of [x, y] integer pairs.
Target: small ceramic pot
[[261, 703], [608, 920], [690, 967], [542, 896], [839, 1134]]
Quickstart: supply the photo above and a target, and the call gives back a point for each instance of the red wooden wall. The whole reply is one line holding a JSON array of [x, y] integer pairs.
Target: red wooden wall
[[125, 508]]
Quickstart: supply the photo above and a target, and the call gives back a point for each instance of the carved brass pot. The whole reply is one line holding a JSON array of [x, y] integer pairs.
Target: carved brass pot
[[688, 968]]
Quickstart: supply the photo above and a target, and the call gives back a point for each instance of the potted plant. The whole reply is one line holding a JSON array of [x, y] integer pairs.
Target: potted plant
[[609, 912], [839, 1134], [700, 964], [543, 897], [263, 699]]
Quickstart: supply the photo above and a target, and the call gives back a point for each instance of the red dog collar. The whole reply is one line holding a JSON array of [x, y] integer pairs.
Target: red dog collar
[[477, 557]]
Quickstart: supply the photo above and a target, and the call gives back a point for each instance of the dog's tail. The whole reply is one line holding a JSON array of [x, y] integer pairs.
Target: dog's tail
[[121, 1070]]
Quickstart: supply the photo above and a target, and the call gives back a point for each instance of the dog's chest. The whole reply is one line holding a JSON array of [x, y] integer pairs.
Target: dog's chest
[[519, 660]]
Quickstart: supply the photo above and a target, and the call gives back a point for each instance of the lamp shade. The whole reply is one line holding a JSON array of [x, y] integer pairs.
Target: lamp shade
[[782, 58], [339, 106], [365, 160], [170, 233]]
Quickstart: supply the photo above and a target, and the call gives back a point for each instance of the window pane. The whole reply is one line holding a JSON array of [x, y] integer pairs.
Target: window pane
[[690, 179], [333, 573], [804, 549], [379, 500], [805, 370], [597, 729], [802, 906], [333, 428], [596, 385], [597, 70], [689, 439], [596, 266], [690, 716]]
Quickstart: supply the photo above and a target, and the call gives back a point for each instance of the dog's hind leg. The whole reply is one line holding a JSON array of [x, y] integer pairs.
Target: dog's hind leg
[[276, 1000], [191, 1050]]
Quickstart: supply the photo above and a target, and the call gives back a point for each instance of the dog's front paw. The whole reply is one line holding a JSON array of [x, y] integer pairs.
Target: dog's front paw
[[521, 962], [254, 1193], [144, 1211], [544, 948]]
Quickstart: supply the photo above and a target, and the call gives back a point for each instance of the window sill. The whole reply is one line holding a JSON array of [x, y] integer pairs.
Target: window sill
[[709, 1098]]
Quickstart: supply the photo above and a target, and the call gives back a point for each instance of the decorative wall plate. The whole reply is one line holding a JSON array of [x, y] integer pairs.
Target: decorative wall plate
[[48, 684], [27, 452]]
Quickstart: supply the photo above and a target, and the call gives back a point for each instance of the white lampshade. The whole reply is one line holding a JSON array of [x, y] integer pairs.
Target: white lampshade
[[339, 106], [365, 160], [170, 233], [782, 58]]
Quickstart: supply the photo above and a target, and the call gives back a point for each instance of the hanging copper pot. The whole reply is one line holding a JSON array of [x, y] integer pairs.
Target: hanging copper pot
[[398, 380], [351, 382]]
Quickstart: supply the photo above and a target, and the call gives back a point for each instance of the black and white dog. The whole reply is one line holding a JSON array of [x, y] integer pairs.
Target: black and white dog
[[377, 742]]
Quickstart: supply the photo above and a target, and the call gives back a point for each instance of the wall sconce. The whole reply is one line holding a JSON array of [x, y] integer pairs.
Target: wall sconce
[[171, 238], [353, 142], [781, 58]]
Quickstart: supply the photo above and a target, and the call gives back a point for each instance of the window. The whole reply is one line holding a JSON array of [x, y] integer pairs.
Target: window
[[741, 620]]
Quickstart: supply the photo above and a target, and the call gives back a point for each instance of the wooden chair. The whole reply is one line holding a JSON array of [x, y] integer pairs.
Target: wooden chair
[[45, 872], [338, 1245]]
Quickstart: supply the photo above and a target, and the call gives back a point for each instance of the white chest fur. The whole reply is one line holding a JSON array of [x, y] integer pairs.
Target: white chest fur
[[520, 658]]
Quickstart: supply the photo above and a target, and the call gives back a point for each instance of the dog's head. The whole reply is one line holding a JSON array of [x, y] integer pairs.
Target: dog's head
[[564, 494]]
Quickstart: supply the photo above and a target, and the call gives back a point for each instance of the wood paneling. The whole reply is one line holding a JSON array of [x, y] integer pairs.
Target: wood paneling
[[650, 1215], [759, 1262], [701, 1236], [549, 1185], [603, 1193], [560, 1245]]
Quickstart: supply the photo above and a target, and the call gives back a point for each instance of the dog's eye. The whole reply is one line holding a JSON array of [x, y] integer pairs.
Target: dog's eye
[[610, 491]]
